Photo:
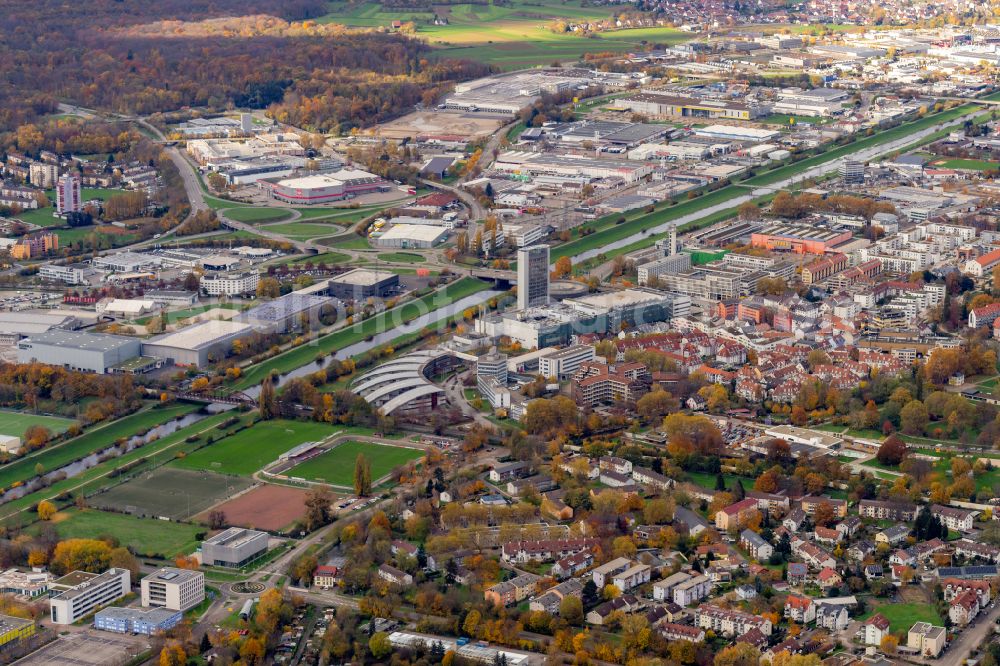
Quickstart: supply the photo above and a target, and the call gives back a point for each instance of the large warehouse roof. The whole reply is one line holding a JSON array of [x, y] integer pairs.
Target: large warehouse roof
[[200, 335], [362, 277], [81, 341], [418, 232]]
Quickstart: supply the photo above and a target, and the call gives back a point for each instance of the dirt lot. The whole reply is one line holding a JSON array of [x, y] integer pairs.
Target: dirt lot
[[453, 123], [266, 507]]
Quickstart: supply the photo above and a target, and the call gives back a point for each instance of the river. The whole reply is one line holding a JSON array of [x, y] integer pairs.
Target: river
[[113, 451]]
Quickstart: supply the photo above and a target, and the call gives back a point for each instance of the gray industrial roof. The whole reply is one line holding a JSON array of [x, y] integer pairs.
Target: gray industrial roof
[[82, 341]]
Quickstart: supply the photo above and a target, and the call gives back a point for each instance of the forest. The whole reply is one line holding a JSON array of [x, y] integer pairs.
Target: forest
[[142, 58]]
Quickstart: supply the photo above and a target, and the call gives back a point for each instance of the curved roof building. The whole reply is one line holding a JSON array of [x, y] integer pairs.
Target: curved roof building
[[403, 383]]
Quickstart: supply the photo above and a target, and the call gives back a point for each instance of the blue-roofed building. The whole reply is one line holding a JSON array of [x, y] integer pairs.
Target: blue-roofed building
[[136, 621], [977, 572]]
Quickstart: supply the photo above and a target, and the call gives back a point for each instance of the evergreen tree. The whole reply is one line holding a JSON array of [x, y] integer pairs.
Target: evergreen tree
[[206, 644], [720, 482], [738, 491]]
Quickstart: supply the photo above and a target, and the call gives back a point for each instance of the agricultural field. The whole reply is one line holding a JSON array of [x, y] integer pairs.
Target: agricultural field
[[266, 507], [508, 36], [15, 423], [148, 537], [169, 492], [249, 450], [336, 466]]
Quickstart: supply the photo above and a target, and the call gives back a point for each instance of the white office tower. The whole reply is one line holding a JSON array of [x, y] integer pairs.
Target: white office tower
[[532, 276], [246, 123]]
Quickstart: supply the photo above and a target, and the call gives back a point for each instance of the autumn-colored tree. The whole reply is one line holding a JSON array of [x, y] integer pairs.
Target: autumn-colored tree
[[563, 267], [46, 510], [252, 651], [892, 451], [740, 654], [824, 514], [81, 554], [268, 287], [122, 558], [889, 644], [172, 654]]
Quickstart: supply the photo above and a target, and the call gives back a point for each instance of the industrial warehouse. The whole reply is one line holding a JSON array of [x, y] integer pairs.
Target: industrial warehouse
[[325, 188]]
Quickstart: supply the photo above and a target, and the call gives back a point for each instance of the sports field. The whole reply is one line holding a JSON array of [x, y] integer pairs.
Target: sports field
[[510, 36], [146, 536], [172, 493], [15, 423], [249, 450], [969, 165], [336, 466]]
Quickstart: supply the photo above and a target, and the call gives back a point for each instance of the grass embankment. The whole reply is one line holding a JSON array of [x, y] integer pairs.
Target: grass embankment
[[355, 333]]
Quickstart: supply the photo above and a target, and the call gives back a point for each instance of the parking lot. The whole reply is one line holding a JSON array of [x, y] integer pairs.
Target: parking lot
[[87, 648]]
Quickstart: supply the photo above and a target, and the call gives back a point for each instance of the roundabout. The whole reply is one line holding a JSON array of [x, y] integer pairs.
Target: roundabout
[[247, 587]]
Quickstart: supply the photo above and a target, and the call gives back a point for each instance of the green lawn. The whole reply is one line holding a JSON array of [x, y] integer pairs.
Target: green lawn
[[336, 466], [255, 215], [401, 257], [970, 165], [146, 536], [15, 423], [304, 230], [249, 450], [346, 242], [903, 616], [785, 119], [94, 439], [344, 337]]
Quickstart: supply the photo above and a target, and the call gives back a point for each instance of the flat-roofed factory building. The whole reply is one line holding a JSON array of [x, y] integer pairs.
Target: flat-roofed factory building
[[198, 345], [362, 283], [75, 350]]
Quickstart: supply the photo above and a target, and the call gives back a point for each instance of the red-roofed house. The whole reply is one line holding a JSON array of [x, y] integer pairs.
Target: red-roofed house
[[984, 316], [964, 608], [980, 266], [801, 609], [876, 628]]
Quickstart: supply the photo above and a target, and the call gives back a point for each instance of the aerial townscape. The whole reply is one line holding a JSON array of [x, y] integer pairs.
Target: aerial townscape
[[500, 333]]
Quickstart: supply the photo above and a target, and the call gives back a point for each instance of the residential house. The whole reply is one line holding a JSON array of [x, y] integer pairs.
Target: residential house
[[552, 598], [326, 576], [849, 527], [976, 550], [504, 472], [546, 550], [801, 609], [682, 632], [651, 480], [810, 503], [954, 587], [735, 515], [731, 623], [893, 535], [927, 639], [882, 510], [633, 577], [964, 608], [797, 573], [626, 603], [746, 592], [833, 617], [955, 518], [512, 591], [860, 550], [602, 574], [755, 544], [827, 535], [875, 629], [394, 575], [688, 522], [794, 520], [828, 578], [571, 565]]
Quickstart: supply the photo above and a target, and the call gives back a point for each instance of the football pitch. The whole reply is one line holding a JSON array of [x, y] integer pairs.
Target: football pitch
[[146, 536], [172, 493], [249, 450], [336, 466], [15, 423]]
